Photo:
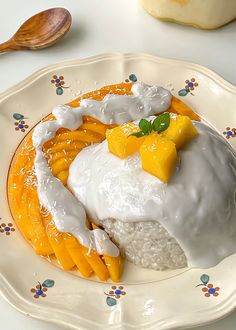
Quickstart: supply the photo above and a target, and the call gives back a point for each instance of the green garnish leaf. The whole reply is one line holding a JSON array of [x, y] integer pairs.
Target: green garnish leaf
[[138, 134], [145, 126], [161, 123]]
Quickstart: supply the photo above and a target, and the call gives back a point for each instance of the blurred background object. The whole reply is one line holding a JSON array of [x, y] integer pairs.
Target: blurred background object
[[204, 14]]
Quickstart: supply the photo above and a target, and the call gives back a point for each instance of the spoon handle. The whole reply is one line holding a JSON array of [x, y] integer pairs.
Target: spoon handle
[[6, 46]]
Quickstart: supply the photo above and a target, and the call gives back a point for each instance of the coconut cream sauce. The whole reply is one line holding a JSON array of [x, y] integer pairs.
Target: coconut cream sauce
[[67, 211], [197, 207]]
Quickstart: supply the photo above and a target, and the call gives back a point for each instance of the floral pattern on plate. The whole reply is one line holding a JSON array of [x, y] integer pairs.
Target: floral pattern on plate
[[6, 229], [190, 86], [229, 132], [20, 124], [59, 83], [208, 288], [115, 293], [132, 78], [40, 289]]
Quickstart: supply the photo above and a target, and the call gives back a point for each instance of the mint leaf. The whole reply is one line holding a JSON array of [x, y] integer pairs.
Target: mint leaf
[[138, 134], [161, 123], [145, 126]]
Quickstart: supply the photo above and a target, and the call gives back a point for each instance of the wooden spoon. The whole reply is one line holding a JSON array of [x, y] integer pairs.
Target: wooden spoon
[[40, 31]]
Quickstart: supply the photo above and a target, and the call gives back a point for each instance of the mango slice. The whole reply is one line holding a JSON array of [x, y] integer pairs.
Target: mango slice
[[158, 156], [56, 240], [63, 176], [181, 130], [76, 252], [40, 240], [114, 264], [120, 143], [95, 127], [96, 263], [181, 108], [62, 154]]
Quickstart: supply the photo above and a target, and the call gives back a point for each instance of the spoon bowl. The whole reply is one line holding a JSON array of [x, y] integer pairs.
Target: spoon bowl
[[40, 31]]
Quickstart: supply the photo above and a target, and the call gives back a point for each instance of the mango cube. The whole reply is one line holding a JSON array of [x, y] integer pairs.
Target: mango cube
[[120, 143], [158, 156], [180, 131]]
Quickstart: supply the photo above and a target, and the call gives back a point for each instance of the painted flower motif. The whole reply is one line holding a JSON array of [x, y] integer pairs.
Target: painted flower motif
[[210, 290], [7, 229], [21, 126], [191, 84], [189, 87], [40, 289], [115, 293], [229, 132], [59, 82], [132, 77]]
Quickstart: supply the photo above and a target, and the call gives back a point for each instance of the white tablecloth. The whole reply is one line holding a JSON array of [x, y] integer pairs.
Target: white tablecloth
[[101, 26]]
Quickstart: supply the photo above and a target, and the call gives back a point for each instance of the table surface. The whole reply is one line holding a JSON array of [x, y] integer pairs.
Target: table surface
[[101, 26]]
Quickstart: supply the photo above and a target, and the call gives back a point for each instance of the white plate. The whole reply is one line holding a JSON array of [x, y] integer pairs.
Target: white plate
[[153, 300]]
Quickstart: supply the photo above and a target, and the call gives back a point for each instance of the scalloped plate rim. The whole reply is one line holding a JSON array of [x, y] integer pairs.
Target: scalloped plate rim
[[8, 292], [47, 316], [121, 56]]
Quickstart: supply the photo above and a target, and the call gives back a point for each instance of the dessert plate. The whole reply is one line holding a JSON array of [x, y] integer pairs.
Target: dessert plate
[[145, 299]]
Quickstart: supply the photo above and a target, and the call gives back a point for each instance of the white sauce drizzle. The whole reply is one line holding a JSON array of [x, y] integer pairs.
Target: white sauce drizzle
[[67, 211], [197, 207]]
